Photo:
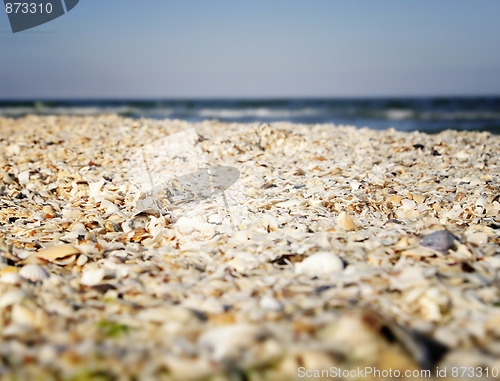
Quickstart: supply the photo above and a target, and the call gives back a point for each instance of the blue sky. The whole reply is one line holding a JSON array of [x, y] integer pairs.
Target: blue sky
[[256, 48]]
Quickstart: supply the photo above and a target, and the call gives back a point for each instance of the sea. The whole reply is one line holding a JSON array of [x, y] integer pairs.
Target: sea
[[427, 114]]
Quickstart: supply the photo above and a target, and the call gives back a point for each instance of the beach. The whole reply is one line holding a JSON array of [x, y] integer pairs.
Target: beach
[[335, 248]]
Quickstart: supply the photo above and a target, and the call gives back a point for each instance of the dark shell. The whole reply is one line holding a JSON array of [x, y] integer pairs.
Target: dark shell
[[440, 241]]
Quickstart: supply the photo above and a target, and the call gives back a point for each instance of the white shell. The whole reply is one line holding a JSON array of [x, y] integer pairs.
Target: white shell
[[269, 303], [93, 277], [24, 177], [215, 219], [82, 259], [23, 315], [408, 204], [478, 238], [10, 278], [12, 297], [33, 273], [224, 342], [319, 264]]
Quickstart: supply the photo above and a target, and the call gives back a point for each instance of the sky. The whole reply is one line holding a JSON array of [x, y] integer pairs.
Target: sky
[[255, 48]]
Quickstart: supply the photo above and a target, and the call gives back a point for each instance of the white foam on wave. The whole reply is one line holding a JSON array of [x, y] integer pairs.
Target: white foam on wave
[[460, 115], [260, 112], [394, 114]]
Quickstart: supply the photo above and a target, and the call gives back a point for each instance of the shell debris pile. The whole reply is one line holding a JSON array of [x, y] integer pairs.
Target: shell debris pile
[[337, 246]]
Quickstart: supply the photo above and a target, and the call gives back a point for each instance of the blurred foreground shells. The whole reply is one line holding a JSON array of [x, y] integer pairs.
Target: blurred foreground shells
[[336, 247], [33, 273]]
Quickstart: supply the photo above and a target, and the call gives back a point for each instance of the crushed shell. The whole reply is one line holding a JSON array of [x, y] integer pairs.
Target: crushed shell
[[337, 246]]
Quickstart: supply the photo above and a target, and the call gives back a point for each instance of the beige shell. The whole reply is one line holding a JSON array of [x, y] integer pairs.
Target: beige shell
[[345, 222], [60, 255], [48, 211]]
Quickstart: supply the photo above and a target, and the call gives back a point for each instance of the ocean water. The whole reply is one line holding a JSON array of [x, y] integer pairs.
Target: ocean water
[[404, 114]]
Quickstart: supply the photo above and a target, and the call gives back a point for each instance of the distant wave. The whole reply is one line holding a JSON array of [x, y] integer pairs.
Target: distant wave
[[427, 114]]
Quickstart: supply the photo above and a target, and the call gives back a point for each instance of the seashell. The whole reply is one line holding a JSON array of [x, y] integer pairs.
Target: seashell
[[418, 198], [215, 219], [269, 303], [71, 214], [141, 219], [61, 255], [93, 277], [33, 273], [10, 278], [82, 259], [78, 232], [440, 241], [395, 199], [23, 315], [65, 261], [24, 177], [189, 368], [48, 211], [345, 222], [185, 225], [112, 226], [227, 341], [135, 235], [111, 208], [478, 238], [12, 297], [319, 264], [408, 204], [481, 204]]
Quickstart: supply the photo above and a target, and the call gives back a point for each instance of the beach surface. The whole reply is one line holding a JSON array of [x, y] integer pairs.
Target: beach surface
[[336, 247]]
